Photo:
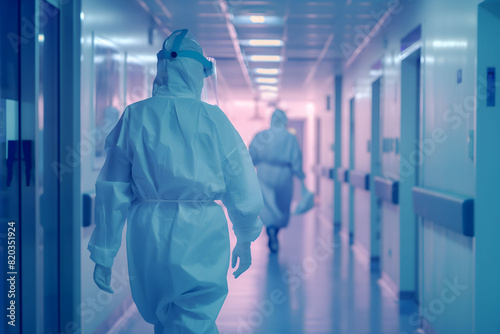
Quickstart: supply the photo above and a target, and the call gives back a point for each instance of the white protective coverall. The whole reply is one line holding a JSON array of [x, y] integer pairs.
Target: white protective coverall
[[168, 158], [277, 156]]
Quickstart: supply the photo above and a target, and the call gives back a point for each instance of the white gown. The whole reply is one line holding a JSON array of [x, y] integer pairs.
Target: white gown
[[277, 156], [168, 158]]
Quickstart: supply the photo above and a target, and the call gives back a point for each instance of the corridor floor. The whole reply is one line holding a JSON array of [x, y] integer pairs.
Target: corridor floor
[[316, 284]]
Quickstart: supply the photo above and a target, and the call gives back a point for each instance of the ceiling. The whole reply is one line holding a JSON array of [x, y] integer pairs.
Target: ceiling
[[318, 37]]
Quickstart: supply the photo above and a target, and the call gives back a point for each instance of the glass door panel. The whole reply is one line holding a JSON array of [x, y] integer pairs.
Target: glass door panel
[[10, 168]]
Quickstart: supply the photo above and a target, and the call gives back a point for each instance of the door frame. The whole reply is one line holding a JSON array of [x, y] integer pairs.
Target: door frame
[[69, 132], [375, 170], [337, 195], [411, 133], [486, 229], [69, 185], [352, 155]]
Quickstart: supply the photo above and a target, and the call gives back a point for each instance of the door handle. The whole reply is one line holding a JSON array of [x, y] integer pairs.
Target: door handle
[[13, 156]]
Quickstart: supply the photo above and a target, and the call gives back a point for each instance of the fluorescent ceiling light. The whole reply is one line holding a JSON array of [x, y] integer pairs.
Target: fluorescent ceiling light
[[268, 95], [266, 80], [268, 88], [267, 71], [262, 42], [265, 58], [257, 19]]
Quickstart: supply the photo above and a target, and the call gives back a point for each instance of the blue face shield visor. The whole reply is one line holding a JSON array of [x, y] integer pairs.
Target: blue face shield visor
[[208, 66]]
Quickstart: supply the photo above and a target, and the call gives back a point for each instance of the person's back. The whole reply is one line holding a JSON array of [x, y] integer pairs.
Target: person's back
[[168, 159], [278, 148], [176, 139], [276, 154]]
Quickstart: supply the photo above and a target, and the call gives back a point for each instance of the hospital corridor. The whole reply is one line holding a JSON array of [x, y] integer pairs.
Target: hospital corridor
[[280, 294], [249, 167]]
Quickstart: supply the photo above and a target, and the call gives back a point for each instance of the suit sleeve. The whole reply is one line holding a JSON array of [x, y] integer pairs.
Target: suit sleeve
[[113, 197], [243, 197], [296, 161]]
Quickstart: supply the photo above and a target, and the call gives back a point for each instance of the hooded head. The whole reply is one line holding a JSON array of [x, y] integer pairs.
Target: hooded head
[[180, 75], [279, 119]]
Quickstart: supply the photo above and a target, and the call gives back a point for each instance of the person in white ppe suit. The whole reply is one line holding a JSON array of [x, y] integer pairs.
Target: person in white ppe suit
[[168, 159], [276, 154]]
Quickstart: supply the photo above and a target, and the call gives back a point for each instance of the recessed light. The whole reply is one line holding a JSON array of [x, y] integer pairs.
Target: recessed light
[[267, 71], [265, 58], [262, 42], [268, 88], [266, 80], [257, 19]]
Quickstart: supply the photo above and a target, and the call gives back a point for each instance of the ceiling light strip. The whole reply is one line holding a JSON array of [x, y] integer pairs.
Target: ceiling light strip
[[257, 19], [267, 71], [236, 43], [367, 39], [158, 21], [321, 56], [164, 9], [264, 42], [263, 80], [284, 38], [265, 58]]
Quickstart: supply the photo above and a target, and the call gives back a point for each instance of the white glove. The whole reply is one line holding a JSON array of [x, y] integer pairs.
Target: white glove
[[102, 278], [242, 251]]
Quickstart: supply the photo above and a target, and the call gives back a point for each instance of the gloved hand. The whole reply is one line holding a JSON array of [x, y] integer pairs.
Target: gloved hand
[[102, 278], [242, 251]]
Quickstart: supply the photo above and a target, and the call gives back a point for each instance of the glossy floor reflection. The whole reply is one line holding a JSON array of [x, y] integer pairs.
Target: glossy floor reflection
[[315, 285]]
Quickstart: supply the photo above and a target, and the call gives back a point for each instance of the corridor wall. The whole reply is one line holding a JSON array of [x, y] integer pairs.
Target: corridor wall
[[442, 157]]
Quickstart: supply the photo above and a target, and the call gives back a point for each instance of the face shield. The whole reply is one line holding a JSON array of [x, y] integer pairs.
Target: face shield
[[172, 49], [209, 93]]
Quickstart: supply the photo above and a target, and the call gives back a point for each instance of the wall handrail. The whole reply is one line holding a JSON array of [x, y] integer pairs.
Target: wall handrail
[[387, 190], [453, 211], [342, 175], [359, 179]]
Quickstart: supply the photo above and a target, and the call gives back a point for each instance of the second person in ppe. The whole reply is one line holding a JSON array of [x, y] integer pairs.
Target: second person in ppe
[[168, 159], [277, 156]]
